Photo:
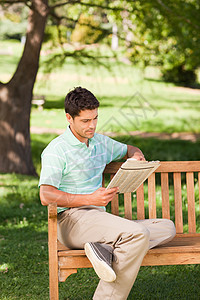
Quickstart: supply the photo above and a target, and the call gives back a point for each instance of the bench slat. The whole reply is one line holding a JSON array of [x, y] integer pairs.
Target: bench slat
[[166, 166], [165, 195], [178, 203], [114, 202], [191, 202], [128, 206], [199, 188], [103, 180], [140, 203], [152, 196], [179, 166]]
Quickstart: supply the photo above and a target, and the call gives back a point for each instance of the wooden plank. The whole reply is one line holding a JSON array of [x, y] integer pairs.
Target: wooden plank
[[165, 195], [128, 206], [140, 203], [191, 202], [103, 180], [114, 202], [183, 249], [64, 273], [74, 262], [152, 196], [53, 258], [179, 166], [152, 258], [60, 246], [166, 259], [199, 188], [178, 203], [165, 166]]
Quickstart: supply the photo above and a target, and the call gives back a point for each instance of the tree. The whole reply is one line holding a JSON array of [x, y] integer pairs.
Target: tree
[[16, 95], [153, 24]]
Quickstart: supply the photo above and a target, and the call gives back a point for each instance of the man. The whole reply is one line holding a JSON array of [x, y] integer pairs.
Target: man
[[71, 176]]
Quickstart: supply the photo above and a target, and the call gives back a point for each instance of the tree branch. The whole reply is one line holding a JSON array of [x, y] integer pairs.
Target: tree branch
[[81, 56], [167, 8], [60, 18], [87, 4], [10, 2]]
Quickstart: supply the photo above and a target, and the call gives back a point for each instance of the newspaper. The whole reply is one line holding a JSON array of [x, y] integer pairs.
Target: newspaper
[[132, 174]]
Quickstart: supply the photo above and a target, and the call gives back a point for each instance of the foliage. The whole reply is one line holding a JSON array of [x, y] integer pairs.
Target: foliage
[[166, 33], [12, 30], [87, 30], [159, 32], [13, 22], [55, 34]]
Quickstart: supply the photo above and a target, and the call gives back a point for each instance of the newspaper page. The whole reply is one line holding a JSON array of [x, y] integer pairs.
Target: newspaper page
[[132, 174]]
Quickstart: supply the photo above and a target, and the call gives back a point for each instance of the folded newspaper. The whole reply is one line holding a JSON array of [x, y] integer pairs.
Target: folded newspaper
[[132, 174]]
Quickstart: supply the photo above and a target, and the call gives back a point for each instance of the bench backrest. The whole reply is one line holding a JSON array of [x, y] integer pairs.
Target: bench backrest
[[172, 191]]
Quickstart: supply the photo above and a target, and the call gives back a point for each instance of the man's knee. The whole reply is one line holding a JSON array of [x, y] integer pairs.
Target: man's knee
[[171, 228], [143, 233]]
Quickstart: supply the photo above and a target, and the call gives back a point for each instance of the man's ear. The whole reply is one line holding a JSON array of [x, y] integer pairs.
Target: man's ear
[[69, 118]]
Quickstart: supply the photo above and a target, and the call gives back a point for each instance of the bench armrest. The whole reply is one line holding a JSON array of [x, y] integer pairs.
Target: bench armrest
[[52, 211]]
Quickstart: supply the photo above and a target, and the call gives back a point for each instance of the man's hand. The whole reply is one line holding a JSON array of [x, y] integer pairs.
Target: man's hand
[[134, 152], [103, 196], [138, 156]]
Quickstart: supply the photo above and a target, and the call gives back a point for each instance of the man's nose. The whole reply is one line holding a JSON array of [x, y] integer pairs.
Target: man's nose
[[92, 124]]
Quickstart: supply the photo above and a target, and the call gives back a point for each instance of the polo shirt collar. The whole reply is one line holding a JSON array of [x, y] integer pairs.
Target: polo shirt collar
[[71, 139]]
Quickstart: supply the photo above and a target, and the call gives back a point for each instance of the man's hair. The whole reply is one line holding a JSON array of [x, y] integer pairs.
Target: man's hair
[[79, 99]]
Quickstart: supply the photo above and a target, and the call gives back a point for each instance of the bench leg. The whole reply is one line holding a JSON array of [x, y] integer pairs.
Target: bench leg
[[53, 289], [53, 255]]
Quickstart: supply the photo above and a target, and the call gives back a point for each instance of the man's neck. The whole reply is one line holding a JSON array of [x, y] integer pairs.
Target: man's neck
[[80, 138]]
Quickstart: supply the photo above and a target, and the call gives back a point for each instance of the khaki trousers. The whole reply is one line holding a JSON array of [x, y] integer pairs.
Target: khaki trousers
[[129, 239]]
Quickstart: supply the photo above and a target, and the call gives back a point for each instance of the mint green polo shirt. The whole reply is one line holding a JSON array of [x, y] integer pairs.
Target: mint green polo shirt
[[72, 167]]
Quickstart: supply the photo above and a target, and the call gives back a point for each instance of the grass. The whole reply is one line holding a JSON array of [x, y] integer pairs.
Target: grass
[[131, 100]]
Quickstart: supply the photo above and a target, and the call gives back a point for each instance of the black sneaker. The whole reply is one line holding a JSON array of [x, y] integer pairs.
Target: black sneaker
[[100, 256]]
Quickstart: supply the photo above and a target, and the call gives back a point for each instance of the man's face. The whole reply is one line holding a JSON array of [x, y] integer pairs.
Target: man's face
[[84, 125]]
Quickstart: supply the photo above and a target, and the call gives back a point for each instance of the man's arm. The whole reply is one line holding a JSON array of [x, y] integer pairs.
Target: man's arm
[[50, 194], [134, 152]]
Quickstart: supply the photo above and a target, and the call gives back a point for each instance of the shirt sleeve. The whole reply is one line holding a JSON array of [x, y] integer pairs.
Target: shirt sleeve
[[53, 164], [115, 150]]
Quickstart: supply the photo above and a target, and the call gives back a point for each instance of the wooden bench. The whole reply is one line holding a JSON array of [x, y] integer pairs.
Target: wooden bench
[[171, 189], [39, 101]]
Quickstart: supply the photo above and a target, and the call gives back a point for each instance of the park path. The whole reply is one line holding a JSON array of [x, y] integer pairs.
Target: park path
[[187, 136]]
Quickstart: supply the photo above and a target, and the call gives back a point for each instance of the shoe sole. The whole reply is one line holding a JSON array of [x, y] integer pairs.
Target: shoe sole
[[102, 269]]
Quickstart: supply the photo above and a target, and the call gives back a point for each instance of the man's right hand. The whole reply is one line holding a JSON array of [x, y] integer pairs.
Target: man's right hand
[[103, 196]]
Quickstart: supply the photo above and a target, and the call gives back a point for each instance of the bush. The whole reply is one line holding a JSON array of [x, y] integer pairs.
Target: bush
[[178, 74], [12, 30]]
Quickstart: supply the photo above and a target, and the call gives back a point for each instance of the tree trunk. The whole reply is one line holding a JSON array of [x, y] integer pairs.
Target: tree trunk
[[16, 96]]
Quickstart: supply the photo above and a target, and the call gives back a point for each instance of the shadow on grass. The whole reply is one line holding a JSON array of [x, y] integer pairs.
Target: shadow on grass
[[164, 150], [191, 86], [58, 103]]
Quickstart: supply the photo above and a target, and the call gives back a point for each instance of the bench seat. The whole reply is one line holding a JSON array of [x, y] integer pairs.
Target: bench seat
[[183, 249]]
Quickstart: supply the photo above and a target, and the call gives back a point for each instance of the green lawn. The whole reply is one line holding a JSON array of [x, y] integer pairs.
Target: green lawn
[[131, 100]]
